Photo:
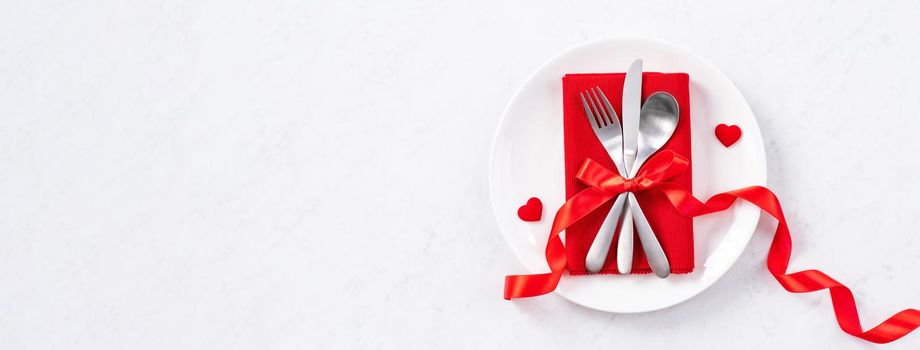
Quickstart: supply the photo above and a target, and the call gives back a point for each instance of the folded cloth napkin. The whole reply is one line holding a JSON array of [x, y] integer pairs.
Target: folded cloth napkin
[[674, 231]]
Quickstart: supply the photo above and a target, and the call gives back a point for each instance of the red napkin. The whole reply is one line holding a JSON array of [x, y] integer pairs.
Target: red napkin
[[674, 231]]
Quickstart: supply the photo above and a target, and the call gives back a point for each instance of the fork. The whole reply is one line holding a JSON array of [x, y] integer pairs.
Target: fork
[[603, 120]]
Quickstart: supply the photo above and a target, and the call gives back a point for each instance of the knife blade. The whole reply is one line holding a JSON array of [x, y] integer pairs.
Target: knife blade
[[632, 101]]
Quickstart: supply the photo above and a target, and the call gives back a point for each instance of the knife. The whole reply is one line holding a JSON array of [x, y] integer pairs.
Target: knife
[[632, 100]]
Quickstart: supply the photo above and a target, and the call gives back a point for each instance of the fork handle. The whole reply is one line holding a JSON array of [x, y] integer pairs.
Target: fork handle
[[597, 254]]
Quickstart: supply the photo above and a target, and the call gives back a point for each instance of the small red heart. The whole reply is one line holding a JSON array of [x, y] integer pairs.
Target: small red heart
[[532, 211], [728, 134]]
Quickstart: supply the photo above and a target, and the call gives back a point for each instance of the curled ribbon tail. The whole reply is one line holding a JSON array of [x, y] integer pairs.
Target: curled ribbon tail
[[778, 257]]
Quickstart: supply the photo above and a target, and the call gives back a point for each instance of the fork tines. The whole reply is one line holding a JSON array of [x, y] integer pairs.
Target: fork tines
[[598, 108]]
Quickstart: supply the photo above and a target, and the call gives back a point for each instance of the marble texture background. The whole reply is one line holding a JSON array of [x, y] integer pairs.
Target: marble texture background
[[312, 174]]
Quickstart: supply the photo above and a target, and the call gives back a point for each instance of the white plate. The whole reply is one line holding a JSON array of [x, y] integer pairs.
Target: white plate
[[527, 161]]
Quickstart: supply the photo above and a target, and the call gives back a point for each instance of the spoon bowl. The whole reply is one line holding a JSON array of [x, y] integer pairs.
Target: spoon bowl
[[657, 123]]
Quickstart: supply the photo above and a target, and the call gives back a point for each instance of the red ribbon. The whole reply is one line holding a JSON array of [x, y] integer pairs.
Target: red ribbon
[[606, 185]]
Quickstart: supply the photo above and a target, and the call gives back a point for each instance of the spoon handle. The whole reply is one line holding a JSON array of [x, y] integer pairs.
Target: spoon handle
[[597, 254]]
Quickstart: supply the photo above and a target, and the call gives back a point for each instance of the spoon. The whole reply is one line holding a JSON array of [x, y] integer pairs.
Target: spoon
[[657, 122]]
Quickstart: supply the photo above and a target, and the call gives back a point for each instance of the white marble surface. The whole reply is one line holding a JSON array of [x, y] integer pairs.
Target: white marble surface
[[308, 174]]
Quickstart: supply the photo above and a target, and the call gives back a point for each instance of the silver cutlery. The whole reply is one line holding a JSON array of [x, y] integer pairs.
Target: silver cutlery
[[650, 125], [656, 120], [603, 120], [659, 117]]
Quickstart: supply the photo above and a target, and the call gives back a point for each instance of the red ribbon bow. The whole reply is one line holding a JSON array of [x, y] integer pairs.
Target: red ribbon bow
[[606, 184]]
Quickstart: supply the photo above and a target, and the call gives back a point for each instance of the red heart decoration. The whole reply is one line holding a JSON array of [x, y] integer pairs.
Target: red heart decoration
[[728, 134], [532, 211]]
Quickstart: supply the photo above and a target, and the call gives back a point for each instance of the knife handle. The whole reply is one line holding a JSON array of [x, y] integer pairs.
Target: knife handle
[[597, 254], [657, 260]]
